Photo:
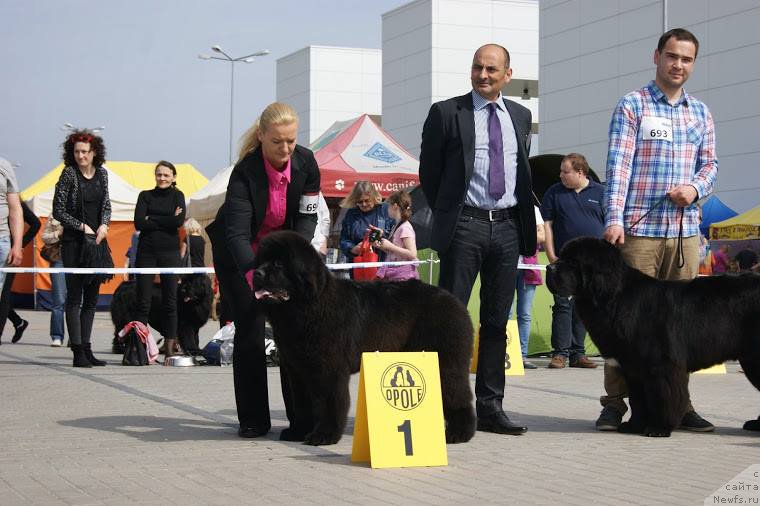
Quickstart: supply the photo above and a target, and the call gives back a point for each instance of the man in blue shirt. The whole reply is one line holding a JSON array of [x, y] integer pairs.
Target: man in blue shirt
[[571, 208]]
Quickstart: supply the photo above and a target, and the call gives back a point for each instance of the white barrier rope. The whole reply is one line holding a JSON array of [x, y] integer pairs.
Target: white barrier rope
[[210, 270], [112, 270]]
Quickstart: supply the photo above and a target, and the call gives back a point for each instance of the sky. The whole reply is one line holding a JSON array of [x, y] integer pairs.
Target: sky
[[133, 67]]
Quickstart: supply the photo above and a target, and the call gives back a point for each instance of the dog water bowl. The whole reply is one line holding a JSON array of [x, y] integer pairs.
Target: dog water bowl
[[179, 361]]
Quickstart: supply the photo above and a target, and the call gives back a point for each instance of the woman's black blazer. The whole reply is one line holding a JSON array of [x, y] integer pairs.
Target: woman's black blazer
[[238, 220]]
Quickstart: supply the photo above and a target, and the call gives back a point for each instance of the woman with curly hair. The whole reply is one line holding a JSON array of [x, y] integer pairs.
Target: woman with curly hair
[[83, 206], [158, 215]]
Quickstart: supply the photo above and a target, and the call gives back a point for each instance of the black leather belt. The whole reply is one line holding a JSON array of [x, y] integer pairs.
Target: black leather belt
[[509, 213]]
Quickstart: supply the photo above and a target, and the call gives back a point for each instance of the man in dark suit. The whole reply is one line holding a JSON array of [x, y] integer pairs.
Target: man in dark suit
[[475, 175]]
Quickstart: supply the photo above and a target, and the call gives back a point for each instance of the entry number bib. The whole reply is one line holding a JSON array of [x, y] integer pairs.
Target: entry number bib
[[656, 128]]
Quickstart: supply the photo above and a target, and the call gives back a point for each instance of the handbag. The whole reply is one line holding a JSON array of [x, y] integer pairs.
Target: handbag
[[96, 256], [366, 254], [51, 252]]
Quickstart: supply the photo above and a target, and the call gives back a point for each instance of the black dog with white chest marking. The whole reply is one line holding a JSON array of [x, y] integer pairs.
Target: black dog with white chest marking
[[323, 324], [659, 331]]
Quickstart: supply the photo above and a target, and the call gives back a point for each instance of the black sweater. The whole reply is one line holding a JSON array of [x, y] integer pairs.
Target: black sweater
[[155, 219]]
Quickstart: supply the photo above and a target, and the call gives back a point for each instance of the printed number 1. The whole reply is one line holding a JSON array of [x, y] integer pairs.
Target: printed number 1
[[406, 428]]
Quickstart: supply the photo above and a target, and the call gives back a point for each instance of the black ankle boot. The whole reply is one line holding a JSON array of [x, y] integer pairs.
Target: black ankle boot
[[80, 359], [88, 353]]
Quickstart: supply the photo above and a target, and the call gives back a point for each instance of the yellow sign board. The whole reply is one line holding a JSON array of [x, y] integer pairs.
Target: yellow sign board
[[513, 365], [399, 412], [716, 369]]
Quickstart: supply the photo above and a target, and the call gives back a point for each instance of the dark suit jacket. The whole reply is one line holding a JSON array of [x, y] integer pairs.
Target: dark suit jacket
[[447, 159], [239, 219]]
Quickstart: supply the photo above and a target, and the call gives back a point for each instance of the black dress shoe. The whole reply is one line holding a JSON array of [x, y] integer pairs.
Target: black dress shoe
[[251, 432], [499, 423]]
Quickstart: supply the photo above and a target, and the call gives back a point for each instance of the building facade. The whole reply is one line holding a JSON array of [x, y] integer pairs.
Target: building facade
[[327, 84]]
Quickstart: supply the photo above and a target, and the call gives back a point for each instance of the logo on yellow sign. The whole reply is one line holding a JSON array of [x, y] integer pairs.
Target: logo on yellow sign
[[403, 386]]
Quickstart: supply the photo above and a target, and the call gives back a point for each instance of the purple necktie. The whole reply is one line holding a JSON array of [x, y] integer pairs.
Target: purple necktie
[[495, 155]]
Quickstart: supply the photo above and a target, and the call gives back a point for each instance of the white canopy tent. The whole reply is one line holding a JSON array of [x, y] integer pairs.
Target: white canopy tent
[[123, 199]]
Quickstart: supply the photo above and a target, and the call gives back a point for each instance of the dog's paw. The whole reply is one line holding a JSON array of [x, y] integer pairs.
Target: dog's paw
[[656, 432], [290, 434], [321, 438], [630, 428], [454, 437]]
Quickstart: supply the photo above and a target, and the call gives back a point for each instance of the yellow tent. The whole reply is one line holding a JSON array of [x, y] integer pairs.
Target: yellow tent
[[137, 174], [743, 226]]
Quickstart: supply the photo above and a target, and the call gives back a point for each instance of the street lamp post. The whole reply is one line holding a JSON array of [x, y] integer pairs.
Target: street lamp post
[[242, 59]]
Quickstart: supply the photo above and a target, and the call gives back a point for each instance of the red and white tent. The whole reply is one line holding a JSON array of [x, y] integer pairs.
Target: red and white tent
[[358, 149]]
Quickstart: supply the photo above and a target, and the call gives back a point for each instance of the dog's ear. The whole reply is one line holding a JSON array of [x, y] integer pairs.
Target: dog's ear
[[602, 274], [313, 281]]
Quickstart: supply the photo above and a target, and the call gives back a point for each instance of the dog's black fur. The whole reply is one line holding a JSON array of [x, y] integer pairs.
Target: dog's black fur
[[323, 324], [659, 331], [194, 296]]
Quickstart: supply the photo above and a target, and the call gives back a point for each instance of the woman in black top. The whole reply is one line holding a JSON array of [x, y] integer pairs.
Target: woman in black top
[[158, 215], [82, 205], [196, 242]]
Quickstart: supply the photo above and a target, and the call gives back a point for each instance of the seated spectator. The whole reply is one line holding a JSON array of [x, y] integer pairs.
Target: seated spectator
[[746, 260]]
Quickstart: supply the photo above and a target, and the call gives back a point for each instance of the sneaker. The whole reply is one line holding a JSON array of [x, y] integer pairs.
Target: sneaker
[[583, 362], [695, 423], [57, 342], [19, 331], [529, 365], [609, 419], [557, 362]]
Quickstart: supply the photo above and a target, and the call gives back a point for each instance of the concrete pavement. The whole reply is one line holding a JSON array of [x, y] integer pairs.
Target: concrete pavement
[[150, 435]]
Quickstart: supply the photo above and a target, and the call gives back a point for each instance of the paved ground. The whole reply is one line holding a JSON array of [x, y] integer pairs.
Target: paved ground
[[118, 435]]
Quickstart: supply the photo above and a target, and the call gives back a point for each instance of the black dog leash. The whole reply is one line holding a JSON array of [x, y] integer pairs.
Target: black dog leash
[[681, 257]]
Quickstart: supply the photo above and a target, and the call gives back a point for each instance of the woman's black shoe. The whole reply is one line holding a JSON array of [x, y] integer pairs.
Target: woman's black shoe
[[80, 360], [88, 353], [19, 331]]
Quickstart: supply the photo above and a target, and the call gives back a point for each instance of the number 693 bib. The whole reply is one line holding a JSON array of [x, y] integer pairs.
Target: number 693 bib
[[655, 128]]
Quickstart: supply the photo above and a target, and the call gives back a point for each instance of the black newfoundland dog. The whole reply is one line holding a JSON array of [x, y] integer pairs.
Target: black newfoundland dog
[[194, 296], [322, 325], [659, 331]]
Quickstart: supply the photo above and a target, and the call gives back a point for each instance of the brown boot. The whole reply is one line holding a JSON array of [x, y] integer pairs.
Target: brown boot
[[557, 362], [583, 362]]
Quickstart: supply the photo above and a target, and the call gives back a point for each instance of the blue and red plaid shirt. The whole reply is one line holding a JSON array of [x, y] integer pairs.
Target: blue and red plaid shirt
[[641, 170]]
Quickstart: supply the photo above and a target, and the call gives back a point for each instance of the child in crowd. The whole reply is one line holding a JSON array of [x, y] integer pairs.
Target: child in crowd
[[402, 244]]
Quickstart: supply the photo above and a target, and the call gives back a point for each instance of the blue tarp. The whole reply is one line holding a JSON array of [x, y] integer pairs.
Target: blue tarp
[[713, 211]]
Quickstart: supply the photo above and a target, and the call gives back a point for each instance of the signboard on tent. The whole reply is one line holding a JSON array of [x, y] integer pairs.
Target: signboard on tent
[[743, 226], [359, 150]]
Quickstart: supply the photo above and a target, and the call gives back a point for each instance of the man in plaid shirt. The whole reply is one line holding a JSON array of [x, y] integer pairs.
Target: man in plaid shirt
[[661, 160]]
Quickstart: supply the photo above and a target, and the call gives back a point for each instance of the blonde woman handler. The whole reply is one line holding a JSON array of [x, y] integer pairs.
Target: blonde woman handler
[[274, 186]]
